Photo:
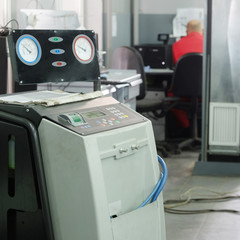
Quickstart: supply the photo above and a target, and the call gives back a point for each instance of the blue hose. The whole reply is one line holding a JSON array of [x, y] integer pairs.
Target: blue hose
[[159, 186], [163, 180]]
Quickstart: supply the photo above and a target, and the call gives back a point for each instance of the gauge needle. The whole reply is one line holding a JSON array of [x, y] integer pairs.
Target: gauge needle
[[82, 48], [29, 51]]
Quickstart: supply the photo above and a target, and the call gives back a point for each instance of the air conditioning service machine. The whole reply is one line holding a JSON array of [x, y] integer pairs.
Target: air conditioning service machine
[[74, 166]]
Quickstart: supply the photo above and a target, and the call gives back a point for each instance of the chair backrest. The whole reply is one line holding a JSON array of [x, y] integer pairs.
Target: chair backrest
[[187, 77], [129, 58]]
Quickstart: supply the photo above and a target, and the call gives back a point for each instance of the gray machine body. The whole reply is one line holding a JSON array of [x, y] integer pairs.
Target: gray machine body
[[99, 169], [95, 160]]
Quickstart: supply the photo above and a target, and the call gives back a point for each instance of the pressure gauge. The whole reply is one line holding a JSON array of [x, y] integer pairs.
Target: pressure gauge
[[28, 49], [83, 48]]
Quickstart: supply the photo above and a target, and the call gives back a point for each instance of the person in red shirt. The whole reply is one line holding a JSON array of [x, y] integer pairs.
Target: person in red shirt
[[193, 42]]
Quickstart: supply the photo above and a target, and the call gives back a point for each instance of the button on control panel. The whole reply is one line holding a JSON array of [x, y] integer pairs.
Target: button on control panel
[[117, 113], [99, 119], [57, 51]]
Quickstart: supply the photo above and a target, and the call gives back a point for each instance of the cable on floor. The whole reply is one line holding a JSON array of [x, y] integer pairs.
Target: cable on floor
[[179, 211], [170, 205]]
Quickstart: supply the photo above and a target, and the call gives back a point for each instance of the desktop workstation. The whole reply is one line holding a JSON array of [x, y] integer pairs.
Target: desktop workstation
[[160, 76], [157, 59]]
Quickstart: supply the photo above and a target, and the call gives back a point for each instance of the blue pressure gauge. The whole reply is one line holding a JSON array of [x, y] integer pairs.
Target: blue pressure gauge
[[28, 49]]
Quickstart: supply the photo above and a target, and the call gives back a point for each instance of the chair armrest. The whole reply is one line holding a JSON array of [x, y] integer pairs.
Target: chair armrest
[[166, 105], [171, 99]]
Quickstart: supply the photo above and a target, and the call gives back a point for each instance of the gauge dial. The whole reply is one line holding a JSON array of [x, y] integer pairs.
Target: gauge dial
[[83, 48], [28, 49]]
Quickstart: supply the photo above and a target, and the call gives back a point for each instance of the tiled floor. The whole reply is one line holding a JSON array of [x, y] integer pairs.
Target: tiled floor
[[206, 226]]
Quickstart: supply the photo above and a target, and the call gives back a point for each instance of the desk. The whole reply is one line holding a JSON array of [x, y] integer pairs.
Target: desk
[[158, 71], [158, 82], [158, 78]]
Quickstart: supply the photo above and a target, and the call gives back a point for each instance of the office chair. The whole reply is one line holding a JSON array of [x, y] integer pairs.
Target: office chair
[[186, 84], [129, 58]]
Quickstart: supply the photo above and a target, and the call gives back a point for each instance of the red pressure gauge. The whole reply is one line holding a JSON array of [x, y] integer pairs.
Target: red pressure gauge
[[83, 48]]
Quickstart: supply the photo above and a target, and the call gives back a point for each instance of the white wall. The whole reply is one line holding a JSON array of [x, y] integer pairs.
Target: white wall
[[73, 5], [120, 6], [89, 11], [168, 6], [2, 13], [93, 18], [31, 4], [15, 5]]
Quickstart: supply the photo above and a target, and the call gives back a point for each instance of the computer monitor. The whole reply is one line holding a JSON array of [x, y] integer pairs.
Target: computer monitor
[[156, 55]]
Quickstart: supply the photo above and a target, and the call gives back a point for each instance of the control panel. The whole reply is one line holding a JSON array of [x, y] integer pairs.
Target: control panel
[[98, 119], [40, 56]]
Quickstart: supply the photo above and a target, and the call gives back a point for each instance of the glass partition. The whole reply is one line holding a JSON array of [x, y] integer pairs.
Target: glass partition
[[225, 51]]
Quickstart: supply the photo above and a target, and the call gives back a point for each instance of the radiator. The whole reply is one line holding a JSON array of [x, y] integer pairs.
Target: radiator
[[224, 125]]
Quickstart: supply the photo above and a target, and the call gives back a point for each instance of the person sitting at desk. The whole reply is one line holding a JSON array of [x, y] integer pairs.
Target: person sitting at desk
[[193, 42]]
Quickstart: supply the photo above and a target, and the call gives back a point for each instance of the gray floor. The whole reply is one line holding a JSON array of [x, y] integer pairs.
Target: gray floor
[[206, 226]]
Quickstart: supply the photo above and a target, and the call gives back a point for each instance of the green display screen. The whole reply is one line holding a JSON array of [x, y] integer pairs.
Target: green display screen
[[76, 118], [93, 114]]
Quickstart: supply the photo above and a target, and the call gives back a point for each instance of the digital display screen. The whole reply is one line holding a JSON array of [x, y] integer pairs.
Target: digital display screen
[[76, 118], [93, 114], [163, 37]]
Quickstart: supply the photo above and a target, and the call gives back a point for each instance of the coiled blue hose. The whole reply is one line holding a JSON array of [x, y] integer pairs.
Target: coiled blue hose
[[159, 186]]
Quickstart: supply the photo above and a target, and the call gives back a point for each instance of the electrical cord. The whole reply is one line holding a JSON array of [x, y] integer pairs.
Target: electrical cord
[[174, 203], [188, 192], [159, 186], [4, 30], [170, 205], [179, 211]]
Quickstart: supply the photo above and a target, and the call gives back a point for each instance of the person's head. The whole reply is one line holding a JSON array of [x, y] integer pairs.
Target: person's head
[[194, 26]]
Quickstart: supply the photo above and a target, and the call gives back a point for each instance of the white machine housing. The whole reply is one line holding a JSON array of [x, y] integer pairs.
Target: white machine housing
[[96, 181]]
